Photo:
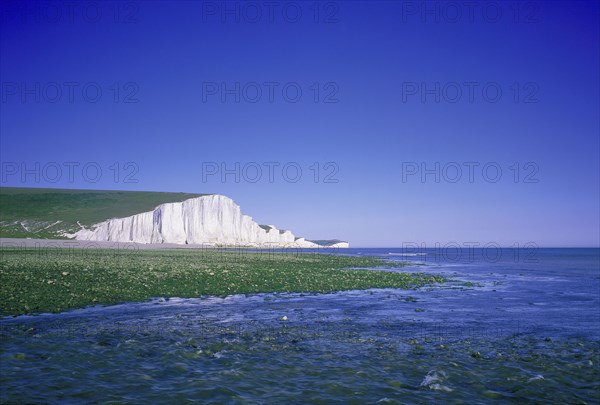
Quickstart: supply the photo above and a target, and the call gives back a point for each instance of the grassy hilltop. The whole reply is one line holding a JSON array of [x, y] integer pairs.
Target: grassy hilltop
[[46, 213]]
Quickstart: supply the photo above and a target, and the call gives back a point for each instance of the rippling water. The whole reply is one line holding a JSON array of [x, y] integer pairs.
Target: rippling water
[[511, 328]]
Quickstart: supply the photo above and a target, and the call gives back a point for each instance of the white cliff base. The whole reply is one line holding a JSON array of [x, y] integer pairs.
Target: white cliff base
[[205, 220]]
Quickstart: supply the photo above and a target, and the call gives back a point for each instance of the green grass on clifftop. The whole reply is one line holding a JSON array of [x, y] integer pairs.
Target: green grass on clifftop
[[45, 213], [53, 280]]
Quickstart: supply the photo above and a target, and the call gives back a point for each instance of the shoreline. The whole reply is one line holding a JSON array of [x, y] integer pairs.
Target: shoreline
[[28, 243]]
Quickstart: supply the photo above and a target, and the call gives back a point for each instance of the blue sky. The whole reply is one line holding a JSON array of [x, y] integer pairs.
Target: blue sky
[[388, 90]]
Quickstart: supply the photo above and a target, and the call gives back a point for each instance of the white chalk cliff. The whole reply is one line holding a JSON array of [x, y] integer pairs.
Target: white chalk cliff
[[206, 220]]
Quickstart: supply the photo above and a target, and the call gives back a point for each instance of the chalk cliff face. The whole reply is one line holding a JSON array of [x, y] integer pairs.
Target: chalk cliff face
[[212, 219]]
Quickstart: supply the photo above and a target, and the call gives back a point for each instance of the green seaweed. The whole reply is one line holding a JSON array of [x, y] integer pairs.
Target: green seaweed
[[54, 280]]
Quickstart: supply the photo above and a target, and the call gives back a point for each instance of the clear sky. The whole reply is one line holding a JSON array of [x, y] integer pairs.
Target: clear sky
[[380, 96]]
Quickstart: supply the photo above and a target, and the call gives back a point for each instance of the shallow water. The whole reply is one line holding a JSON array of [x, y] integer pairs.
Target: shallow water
[[525, 331]]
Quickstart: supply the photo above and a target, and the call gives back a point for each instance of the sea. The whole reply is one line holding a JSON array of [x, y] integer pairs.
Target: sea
[[510, 326]]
